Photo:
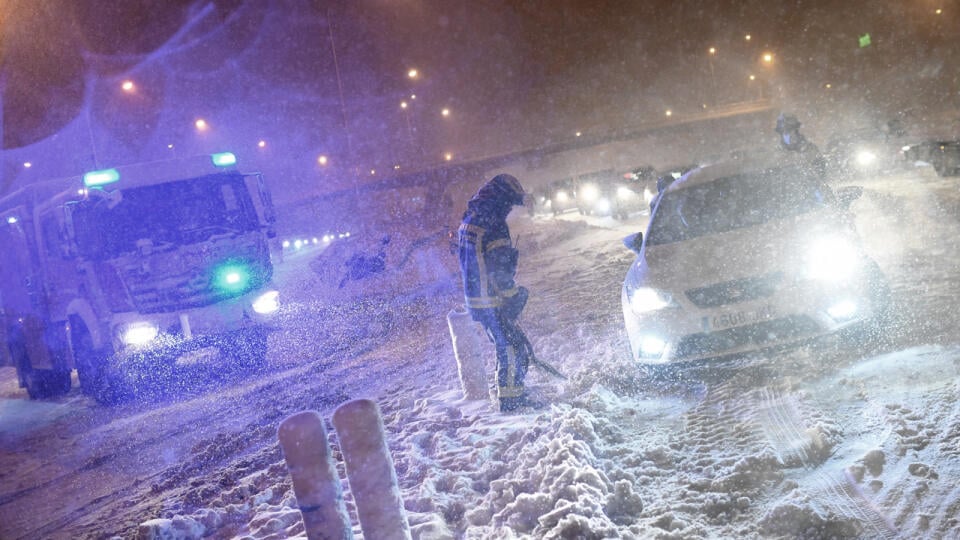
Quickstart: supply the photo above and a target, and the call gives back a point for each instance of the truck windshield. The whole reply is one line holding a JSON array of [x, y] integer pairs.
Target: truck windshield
[[735, 202], [173, 213]]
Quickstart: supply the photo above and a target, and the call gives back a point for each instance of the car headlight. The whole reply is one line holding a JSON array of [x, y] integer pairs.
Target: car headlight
[[865, 158], [651, 347], [624, 192], [139, 333], [267, 303], [589, 192], [832, 259], [645, 300], [603, 206], [562, 196]]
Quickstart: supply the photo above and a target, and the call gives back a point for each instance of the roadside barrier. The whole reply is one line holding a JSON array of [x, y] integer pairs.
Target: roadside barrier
[[370, 474], [467, 348]]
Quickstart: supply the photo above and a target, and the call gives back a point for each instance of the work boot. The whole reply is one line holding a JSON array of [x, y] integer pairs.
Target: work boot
[[523, 402]]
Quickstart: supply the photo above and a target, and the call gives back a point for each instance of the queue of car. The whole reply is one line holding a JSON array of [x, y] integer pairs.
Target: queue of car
[[601, 193]]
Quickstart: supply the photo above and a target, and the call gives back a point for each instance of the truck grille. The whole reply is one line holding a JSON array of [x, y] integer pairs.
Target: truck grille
[[191, 290], [759, 334], [739, 290]]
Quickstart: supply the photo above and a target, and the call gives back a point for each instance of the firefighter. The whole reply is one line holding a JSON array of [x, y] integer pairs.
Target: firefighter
[[488, 265]]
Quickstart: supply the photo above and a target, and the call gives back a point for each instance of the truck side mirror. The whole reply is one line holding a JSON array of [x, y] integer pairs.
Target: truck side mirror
[[634, 242]]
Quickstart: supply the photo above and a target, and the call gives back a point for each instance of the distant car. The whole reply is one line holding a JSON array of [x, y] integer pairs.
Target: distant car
[[605, 193], [743, 256], [944, 155], [561, 196], [860, 152]]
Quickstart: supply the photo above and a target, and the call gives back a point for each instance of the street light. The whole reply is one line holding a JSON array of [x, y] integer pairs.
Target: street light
[[747, 37], [448, 156], [201, 124], [669, 112], [128, 86], [445, 112], [767, 58], [322, 160], [413, 73], [713, 79]]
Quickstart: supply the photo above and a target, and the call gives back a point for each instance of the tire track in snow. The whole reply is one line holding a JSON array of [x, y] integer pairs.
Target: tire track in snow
[[780, 421], [797, 442]]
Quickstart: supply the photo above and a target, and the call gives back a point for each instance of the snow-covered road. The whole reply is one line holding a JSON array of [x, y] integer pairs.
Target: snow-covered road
[[828, 440]]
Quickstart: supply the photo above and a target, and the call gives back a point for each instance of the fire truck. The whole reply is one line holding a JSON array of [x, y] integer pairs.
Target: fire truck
[[123, 274]]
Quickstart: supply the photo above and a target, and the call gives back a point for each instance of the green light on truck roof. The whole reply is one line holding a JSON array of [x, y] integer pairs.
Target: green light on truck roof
[[99, 178], [224, 159]]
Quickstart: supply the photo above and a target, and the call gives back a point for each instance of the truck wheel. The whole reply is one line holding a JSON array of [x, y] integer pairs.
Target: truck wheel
[[47, 383], [90, 363], [40, 383]]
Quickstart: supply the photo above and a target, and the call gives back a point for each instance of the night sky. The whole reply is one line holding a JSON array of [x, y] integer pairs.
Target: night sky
[[513, 74]]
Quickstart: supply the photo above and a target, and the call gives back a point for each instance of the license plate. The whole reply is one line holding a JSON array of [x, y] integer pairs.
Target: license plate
[[742, 318], [205, 355]]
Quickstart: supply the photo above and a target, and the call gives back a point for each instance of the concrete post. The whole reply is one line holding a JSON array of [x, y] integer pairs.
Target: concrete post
[[370, 472], [467, 348], [315, 481]]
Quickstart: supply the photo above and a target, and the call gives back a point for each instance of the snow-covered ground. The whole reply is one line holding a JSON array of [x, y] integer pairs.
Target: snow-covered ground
[[834, 439]]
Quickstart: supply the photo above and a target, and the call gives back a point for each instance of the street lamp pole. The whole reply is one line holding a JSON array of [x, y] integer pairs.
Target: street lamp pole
[[343, 106], [713, 80]]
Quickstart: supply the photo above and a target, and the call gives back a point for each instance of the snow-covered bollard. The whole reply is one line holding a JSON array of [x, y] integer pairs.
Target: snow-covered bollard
[[315, 481], [370, 472], [467, 348]]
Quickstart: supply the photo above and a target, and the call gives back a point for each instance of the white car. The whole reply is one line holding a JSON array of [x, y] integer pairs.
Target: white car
[[742, 256]]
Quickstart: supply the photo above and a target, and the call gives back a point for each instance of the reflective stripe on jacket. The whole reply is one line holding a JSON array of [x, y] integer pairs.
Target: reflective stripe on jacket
[[488, 262]]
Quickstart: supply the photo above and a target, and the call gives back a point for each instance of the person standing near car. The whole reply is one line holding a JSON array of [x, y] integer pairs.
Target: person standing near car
[[488, 266]]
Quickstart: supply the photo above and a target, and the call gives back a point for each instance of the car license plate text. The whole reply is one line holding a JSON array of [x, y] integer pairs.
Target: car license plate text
[[742, 318]]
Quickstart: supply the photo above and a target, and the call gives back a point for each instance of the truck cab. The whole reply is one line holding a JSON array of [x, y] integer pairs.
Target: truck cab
[[124, 272]]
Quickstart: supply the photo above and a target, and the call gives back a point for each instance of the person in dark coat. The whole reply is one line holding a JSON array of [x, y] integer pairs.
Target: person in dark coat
[[488, 265]]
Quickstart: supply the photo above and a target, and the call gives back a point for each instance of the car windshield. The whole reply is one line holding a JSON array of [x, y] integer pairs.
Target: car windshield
[[734, 202], [173, 213]]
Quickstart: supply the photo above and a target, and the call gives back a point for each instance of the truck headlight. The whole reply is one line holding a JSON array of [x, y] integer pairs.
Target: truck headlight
[[139, 333], [267, 303], [645, 300], [832, 259]]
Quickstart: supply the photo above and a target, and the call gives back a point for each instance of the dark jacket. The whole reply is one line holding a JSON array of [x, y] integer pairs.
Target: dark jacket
[[488, 260]]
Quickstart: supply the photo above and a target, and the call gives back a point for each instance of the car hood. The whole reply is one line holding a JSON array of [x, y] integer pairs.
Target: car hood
[[774, 247]]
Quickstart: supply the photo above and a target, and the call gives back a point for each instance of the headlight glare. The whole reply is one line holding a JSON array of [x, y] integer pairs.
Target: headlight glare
[[139, 333], [645, 300], [842, 310], [865, 158], [589, 192], [651, 347], [267, 303], [832, 259]]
